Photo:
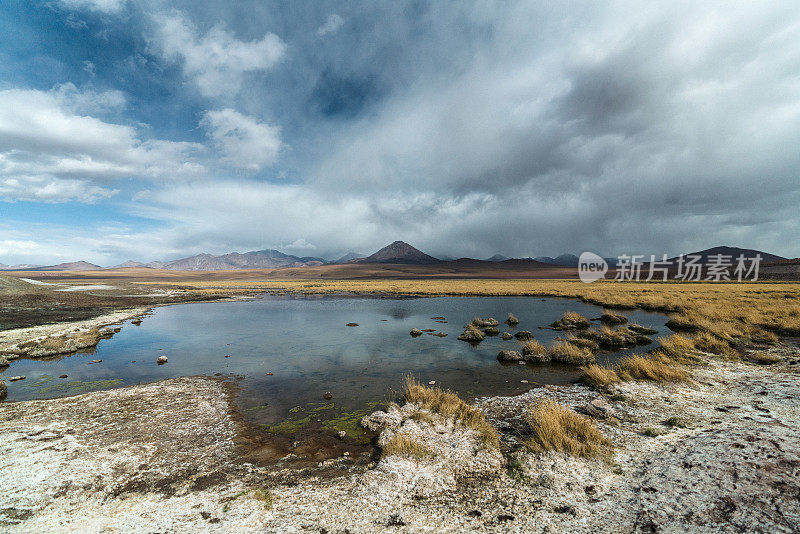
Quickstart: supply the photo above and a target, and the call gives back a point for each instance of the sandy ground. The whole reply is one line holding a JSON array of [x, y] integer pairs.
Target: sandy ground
[[167, 457]]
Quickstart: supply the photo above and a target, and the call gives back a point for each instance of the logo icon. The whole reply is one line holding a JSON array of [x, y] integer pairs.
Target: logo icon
[[591, 267]]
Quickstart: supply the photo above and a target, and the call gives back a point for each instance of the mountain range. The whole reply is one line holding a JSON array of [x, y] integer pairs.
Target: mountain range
[[398, 252]]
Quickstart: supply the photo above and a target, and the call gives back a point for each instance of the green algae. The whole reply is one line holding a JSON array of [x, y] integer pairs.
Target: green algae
[[45, 385]]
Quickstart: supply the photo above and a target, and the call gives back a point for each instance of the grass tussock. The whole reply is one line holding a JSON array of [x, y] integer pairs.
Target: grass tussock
[[677, 348], [448, 404], [598, 376], [652, 368], [402, 445], [555, 428], [584, 343], [533, 347], [564, 352], [710, 343], [609, 317]]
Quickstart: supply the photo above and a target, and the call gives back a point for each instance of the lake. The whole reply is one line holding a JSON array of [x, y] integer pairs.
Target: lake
[[305, 343]]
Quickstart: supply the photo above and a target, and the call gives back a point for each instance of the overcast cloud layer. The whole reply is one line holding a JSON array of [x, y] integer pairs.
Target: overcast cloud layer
[[155, 130]]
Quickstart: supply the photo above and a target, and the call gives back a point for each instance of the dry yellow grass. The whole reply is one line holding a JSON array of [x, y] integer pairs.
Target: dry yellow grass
[[402, 445], [564, 352], [597, 375], [650, 368], [677, 348], [710, 343], [533, 347], [555, 428], [731, 311], [449, 404]]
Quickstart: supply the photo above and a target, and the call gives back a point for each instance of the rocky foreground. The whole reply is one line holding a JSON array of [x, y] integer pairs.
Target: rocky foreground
[[167, 457]]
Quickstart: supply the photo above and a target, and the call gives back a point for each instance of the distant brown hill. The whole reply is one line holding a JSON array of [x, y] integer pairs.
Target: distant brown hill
[[400, 252], [734, 252], [69, 266], [257, 259]]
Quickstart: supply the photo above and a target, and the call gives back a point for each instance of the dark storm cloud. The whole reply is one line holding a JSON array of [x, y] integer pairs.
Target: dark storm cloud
[[520, 128]]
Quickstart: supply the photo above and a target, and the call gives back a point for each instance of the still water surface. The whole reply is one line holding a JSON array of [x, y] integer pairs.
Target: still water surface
[[304, 342]]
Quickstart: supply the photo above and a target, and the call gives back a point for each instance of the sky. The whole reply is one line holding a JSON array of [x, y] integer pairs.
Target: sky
[[154, 130]]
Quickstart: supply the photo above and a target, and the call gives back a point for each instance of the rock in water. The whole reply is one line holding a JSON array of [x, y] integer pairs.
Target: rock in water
[[416, 332], [523, 335], [506, 336], [161, 360], [509, 356], [327, 395], [3, 390], [489, 321], [15, 378], [512, 320]]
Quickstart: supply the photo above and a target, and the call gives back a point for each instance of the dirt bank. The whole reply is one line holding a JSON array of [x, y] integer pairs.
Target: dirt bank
[[168, 457]]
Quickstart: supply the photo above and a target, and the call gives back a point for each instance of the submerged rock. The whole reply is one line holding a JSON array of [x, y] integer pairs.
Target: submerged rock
[[571, 321], [613, 318], [489, 321], [523, 335], [509, 356], [639, 329], [351, 324], [472, 334]]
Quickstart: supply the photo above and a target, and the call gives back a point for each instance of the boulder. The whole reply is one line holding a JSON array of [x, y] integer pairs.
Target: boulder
[[599, 408], [415, 332], [509, 356], [161, 360], [512, 320]]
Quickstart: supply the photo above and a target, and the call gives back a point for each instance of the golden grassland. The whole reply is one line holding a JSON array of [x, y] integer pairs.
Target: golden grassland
[[733, 312]]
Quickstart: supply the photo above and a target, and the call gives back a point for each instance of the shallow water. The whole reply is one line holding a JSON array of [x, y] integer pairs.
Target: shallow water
[[304, 342]]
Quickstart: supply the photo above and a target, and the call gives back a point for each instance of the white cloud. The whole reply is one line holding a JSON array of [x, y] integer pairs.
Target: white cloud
[[215, 61], [49, 189], [331, 26], [104, 6], [49, 150], [245, 142], [299, 245]]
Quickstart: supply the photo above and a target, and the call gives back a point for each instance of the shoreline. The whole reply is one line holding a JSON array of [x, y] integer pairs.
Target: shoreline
[[736, 462], [733, 465]]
